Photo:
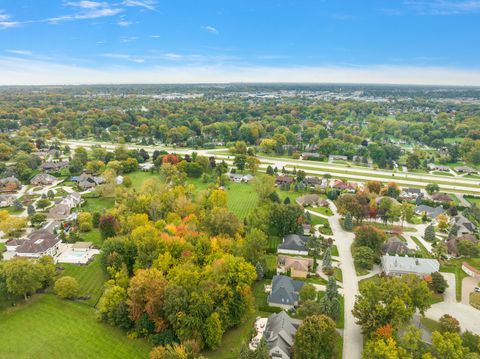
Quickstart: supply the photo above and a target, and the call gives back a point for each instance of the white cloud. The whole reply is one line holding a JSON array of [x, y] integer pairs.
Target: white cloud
[[147, 4], [87, 4], [21, 71], [20, 52], [126, 57], [155, 36], [443, 7], [211, 29], [127, 39], [8, 24], [88, 10], [124, 23], [5, 21]]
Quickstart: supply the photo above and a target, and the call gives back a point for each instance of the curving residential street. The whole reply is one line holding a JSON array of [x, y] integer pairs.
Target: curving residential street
[[352, 337]]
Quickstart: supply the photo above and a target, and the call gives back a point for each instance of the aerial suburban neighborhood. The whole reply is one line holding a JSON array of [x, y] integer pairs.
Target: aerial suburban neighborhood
[[240, 179]]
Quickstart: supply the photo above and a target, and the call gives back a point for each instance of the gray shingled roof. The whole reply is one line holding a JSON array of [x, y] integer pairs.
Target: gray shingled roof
[[431, 212], [284, 290], [294, 242], [280, 332]]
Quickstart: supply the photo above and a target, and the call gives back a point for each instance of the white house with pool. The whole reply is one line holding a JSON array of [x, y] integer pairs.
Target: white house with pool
[[76, 253]]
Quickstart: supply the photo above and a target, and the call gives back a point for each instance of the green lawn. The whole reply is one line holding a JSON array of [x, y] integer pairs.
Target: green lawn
[[59, 329], [337, 273], [91, 278], [92, 236], [430, 324], [425, 252], [474, 201], [97, 204], [139, 177], [241, 198], [322, 210]]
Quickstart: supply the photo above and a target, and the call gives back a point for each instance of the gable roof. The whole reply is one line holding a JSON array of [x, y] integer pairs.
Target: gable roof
[[294, 242], [280, 332], [405, 265], [284, 290], [394, 245], [38, 242], [431, 212]]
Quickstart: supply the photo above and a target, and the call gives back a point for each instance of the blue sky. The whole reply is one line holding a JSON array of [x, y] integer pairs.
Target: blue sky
[[389, 41]]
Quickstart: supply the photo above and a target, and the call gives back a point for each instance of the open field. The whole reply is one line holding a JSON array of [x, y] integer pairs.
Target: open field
[[48, 327], [241, 198]]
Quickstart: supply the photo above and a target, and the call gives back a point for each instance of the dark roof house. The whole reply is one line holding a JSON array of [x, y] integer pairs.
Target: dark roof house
[[280, 334], [293, 244], [284, 292], [394, 246]]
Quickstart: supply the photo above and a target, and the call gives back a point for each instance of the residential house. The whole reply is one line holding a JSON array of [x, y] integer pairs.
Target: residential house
[[284, 292], [345, 186], [465, 169], [280, 333], [38, 244], [309, 200], [397, 266], [337, 158], [411, 194], [394, 246], [293, 244], [284, 180], [312, 182], [431, 212], [441, 197], [439, 168], [299, 267], [73, 200], [9, 184], [86, 181], [12, 244], [307, 155], [53, 166], [452, 243], [43, 179], [6, 200], [147, 166], [465, 226], [239, 178], [59, 212]]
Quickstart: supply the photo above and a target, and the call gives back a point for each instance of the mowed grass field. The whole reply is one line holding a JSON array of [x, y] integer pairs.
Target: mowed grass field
[[241, 198], [48, 327], [91, 278]]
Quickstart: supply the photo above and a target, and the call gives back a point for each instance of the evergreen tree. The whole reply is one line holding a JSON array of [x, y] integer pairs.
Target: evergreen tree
[[30, 210], [327, 260], [430, 233], [330, 302], [270, 170], [348, 222], [287, 200], [260, 271], [453, 231]]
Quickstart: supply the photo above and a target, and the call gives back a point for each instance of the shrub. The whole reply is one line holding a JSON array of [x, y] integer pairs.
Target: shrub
[[449, 324], [364, 257], [438, 283], [85, 227], [66, 287]]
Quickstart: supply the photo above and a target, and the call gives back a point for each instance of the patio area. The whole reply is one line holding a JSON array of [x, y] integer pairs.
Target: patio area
[[76, 253]]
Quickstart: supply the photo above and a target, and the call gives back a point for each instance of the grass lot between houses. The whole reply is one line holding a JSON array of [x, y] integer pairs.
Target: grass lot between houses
[[55, 328]]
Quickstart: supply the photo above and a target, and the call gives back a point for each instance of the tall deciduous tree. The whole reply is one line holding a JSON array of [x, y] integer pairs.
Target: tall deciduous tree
[[316, 338]]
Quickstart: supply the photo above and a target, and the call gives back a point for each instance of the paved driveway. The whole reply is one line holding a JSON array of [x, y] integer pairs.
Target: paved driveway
[[468, 285]]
